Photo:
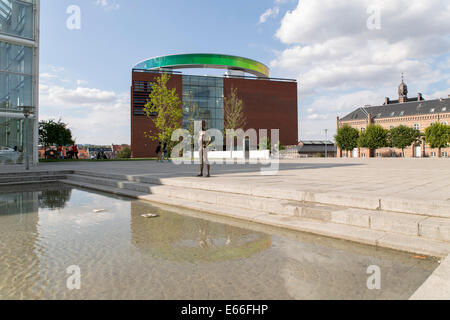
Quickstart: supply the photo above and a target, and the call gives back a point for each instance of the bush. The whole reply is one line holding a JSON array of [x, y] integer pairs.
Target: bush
[[124, 154]]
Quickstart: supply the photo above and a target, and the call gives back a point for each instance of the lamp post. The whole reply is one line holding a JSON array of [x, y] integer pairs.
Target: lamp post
[[326, 143], [26, 114]]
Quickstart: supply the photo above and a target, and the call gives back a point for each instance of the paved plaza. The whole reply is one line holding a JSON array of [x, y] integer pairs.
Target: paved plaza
[[402, 204], [414, 179]]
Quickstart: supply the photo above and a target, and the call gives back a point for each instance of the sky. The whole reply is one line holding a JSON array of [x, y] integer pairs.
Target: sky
[[344, 53]]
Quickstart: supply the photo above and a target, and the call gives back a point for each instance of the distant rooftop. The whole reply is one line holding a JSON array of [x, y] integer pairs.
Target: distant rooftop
[[401, 109]]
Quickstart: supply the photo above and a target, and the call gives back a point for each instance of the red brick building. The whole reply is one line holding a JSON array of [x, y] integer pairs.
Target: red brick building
[[268, 103], [415, 112]]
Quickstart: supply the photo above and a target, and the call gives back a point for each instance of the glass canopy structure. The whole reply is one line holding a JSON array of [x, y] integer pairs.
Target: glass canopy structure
[[19, 77], [205, 60]]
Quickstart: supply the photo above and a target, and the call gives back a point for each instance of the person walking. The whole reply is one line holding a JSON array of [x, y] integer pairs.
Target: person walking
[[165, 152], [203, 142], [75, 151], [158, 151]]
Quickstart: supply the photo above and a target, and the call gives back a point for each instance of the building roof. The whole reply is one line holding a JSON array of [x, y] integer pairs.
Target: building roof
[[317, 148], [401, 109], [315, 142]]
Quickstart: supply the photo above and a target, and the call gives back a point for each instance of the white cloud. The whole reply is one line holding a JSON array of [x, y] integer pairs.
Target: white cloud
[[335, 56], [94, 115], [107, 4], [271, 12]]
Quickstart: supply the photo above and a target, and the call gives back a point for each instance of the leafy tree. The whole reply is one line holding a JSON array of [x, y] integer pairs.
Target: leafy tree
[[402, 136], [53, 133], [124, 154], [347, 138], [165, 103], [374, 137], [234, 117], [438, 136]]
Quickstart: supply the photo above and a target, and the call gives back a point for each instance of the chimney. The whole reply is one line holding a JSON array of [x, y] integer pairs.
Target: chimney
[[387, 100], [419, 97]]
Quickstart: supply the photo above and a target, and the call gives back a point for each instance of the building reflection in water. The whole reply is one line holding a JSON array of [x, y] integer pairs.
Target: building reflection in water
[[20, 248], [183, 238]]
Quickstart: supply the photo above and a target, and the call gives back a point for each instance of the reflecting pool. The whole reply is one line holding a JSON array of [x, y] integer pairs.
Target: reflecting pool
[[181, 254]]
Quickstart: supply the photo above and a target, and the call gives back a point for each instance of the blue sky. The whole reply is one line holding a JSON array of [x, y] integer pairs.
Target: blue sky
[[340, 64]]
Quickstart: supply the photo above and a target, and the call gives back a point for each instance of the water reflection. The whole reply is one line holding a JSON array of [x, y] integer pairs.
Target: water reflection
[[183, 238], [182, 254], [54, 199]]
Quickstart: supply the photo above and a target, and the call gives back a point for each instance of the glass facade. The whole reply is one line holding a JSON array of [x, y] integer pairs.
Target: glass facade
[[18, 80], [16, 18], [203, 100]]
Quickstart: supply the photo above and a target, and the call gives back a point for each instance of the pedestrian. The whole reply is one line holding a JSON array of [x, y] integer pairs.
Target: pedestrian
[[165, 152], [60, 152], [75, 151], [158, 151], [203, 142]]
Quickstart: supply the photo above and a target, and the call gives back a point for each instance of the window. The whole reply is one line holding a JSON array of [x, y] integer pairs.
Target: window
[[444, 109], [402, 113], [363, 129], [363, 155], [444, 122], [444, 154], [393, 114], [433, 154], [378, 155], [432, 110], [417, 126]]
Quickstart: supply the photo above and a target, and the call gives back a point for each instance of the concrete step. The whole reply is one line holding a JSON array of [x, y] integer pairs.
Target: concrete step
[[412, 244], [104, 188], [30, 178], [436, 208], [390, 222]]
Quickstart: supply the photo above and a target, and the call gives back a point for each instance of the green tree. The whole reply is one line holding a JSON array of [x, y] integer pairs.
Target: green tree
[[234, 117], [165, 105], [124, 154], [374, 137], [347, 138], [53, 133], [438, 136], [402, 136]]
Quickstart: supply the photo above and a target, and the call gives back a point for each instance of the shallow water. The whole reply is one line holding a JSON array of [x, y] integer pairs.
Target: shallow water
[[182, 254]]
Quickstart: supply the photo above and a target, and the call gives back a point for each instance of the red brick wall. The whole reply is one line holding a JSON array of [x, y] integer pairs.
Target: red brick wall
[[141, 146], [268, 105], [423, 121]]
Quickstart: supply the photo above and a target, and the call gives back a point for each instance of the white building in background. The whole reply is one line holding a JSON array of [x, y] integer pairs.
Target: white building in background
[[19, 79]]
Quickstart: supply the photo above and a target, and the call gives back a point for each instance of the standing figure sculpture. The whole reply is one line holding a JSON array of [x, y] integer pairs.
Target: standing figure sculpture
[[203, 142]]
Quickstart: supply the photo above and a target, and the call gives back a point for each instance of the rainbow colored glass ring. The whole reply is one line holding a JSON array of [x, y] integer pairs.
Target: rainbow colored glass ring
[[205, 60]]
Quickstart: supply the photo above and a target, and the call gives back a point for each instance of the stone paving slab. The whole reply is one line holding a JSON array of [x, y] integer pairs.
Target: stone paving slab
[[437, 286], [416, 182]]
